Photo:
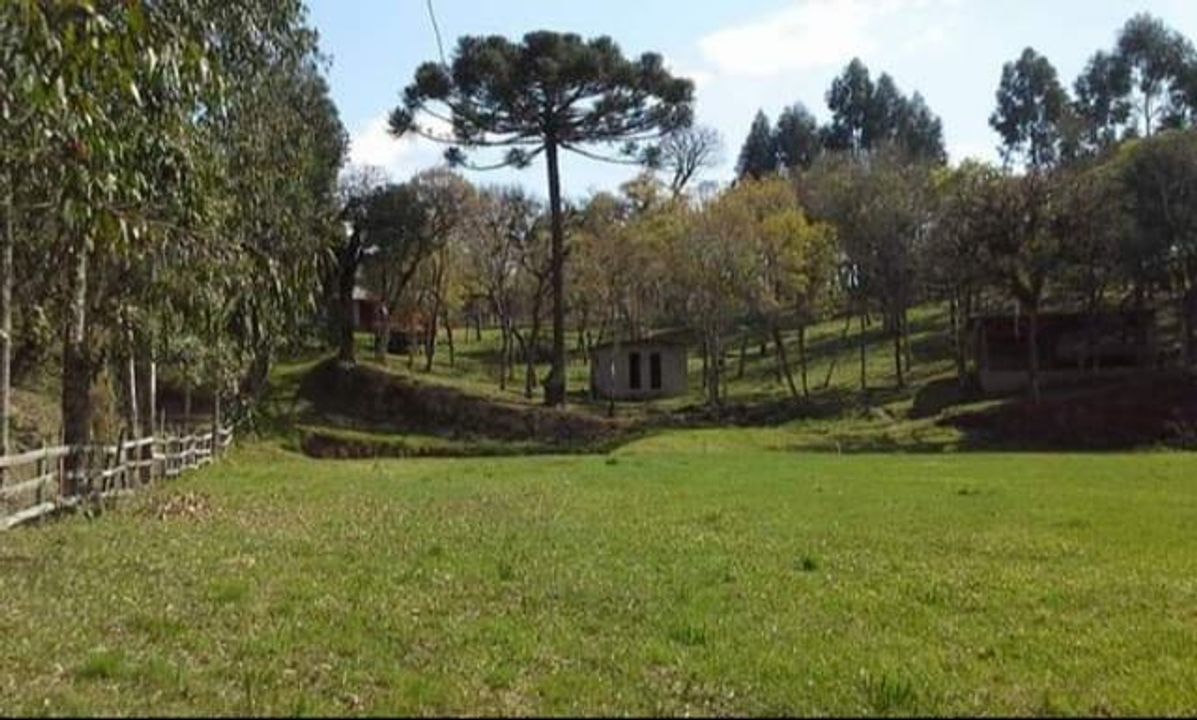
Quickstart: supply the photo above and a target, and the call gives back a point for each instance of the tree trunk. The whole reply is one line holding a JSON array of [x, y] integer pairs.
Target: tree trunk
[[555, 387], [783, 362], [896, 323], [527, 346], [131, 380], [802, 361], [152, 394], [1033, 352], [187, 401], [958, 341], [713, 377], [1186, 327], [216, 410], [907, 353], [78, 371], [8, 240], [477, 326], [864, 381], [504, 342], [449, 340], [835, 359], [345, 347], [743, 356], [430, 339]]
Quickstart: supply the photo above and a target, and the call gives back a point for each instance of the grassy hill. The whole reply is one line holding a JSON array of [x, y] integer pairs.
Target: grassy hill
[[458, 408]]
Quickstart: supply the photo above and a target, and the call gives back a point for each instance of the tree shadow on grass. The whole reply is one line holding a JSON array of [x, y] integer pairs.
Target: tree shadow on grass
[[1151, 410]]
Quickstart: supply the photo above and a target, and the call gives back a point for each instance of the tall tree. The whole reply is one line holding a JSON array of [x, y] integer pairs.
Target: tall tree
[[850, 99], [1031, 105], [758, 156], [501, 219], [1156, 58], [920, 131], [357, 189], [792, 262], [866, 116], [1023, 249], [548, 93], [952, 258], [1102, 102], [405, 225], [686, 152], [797, 138], [1160, 176]]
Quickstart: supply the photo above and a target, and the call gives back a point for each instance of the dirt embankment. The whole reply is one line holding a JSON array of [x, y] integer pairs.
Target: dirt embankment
[[374, 400], [1149, 411]]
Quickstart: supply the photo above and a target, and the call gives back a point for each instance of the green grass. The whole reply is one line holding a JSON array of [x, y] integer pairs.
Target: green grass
[[833, 357], [683, 574]]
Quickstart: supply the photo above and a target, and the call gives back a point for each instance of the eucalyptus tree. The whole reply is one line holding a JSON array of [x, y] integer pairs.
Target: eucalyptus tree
[[1144, 83], [758, 156], [1102, 101], [1031, 108], [552, 92], [851, 101], [1155, 60], [113, 91], [283, 144], [868, 115], [797, 138]]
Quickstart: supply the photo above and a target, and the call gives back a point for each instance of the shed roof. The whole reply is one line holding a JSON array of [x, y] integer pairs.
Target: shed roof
[[666, 338]]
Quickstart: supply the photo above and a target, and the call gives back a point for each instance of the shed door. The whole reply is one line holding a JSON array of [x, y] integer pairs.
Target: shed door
[[654, 371], [634, 371]]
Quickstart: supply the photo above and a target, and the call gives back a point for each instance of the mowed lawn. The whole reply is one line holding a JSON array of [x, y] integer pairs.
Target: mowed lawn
[[662, 579]]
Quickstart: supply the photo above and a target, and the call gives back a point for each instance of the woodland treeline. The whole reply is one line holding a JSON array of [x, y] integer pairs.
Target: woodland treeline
[[860, 218], [174, 205], [168, 197]]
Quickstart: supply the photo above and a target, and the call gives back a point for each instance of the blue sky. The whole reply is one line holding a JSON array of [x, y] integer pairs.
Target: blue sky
[[743, 55]]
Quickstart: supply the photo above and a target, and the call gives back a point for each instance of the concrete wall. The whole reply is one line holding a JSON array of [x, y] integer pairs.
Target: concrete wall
[[674, 378]]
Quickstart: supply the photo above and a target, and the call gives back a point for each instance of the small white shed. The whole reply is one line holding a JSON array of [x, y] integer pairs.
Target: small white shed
[[643, 370]]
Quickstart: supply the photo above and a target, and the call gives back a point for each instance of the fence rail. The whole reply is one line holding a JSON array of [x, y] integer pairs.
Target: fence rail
[[34, 484]]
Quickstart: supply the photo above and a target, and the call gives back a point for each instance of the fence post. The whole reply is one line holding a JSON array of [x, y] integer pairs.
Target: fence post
[[41, 473]]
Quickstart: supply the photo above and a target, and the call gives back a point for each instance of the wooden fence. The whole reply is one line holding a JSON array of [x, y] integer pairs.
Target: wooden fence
[[33, 484]]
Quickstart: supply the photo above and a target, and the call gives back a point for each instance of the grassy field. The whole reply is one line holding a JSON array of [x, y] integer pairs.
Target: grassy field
[[694, 572]]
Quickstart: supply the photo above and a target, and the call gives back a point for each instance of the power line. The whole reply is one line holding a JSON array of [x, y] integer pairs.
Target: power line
[[440, 46]]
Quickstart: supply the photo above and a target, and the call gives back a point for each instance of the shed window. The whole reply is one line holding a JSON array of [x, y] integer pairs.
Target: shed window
[[654, 371], [634, 371]]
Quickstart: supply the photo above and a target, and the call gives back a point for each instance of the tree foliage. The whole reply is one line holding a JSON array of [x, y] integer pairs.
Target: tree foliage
[[548, 93], [1031, 109]]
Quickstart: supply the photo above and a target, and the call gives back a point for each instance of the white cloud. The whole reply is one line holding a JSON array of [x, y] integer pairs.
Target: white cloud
[[817, 33], [700, 78], [985, 152], [400, 158]]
